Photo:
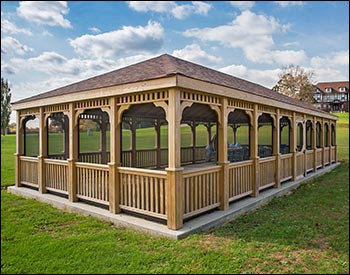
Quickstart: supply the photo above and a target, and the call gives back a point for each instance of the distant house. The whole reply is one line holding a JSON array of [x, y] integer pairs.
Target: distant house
[[332, 96]]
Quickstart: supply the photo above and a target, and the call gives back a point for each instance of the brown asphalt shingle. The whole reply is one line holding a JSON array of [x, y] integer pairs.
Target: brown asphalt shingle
[[163, 66]]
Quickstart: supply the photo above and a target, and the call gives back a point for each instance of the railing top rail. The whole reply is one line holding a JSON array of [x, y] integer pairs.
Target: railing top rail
[[200, 170], [103, 167], [240, 163], [31, 159], [140, 171], [267, 159], [56, 161], [285, 156]]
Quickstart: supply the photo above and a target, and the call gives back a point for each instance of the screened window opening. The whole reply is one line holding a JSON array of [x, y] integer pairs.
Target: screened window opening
[[300, 137], [94, 136], [238, 136], [265, 138], [31, 136], [308, 135], [58, 136], [285, 135]]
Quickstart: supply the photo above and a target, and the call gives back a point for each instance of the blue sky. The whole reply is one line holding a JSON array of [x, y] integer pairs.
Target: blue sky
[[47, 44]]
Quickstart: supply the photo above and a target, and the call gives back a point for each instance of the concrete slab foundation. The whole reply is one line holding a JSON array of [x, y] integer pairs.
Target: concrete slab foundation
[[201, 223]]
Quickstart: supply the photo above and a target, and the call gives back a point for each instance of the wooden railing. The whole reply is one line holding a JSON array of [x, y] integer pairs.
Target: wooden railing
[[143, 191], [309, 160], [56, 175], [300, 164], [187, 154], [29, 171], [201, 190], [326, 156], [93, 182], [267, 172], [332, 154], [240, 179], [319, 158], [93, 157], [147, 158], [286, 166]]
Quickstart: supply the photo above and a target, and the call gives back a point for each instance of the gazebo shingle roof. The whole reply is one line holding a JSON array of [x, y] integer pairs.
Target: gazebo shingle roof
[[164, 66]]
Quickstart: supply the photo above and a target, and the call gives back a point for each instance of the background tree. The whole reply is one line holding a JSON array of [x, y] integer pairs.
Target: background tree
[[5, 105], [295, 82]]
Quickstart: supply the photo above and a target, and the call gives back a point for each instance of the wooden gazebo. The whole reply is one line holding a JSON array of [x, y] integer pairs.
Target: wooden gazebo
[[242, 138]]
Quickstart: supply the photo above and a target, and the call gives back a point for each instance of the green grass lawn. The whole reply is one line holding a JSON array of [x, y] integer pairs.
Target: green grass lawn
[[306, 232]]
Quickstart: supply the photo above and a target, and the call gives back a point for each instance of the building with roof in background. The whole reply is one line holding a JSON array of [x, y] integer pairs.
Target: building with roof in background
[[332, 96]]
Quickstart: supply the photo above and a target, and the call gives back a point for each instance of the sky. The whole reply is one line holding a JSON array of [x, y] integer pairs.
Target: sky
[[50, 44]]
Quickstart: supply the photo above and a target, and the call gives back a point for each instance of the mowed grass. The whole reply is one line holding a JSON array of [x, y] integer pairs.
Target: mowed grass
[[306, 232]]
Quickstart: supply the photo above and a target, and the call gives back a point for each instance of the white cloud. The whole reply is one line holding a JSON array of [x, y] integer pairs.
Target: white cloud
[[45, 12], [128, 39], [7, 69], [328, 75], [243, 5], [10, 45], [287, 57], [295, 43], [94, 30], [284, 4], [47, 33], [253, 34], [335, 59], [170, 7], [267, 78], [9, 27], [195, 54]]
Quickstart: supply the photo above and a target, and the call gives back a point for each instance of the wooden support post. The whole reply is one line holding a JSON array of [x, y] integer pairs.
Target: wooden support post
[[115, 159], [222, 157], [234, 128], [330, 142], [335, 143], [19, 149], [323, 143], [133, 141], [73, 155], [304, 146], [276, 148], [42, 151], [174, 186], [254, 142], [293, 147], [313, 136], [208, 126]]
